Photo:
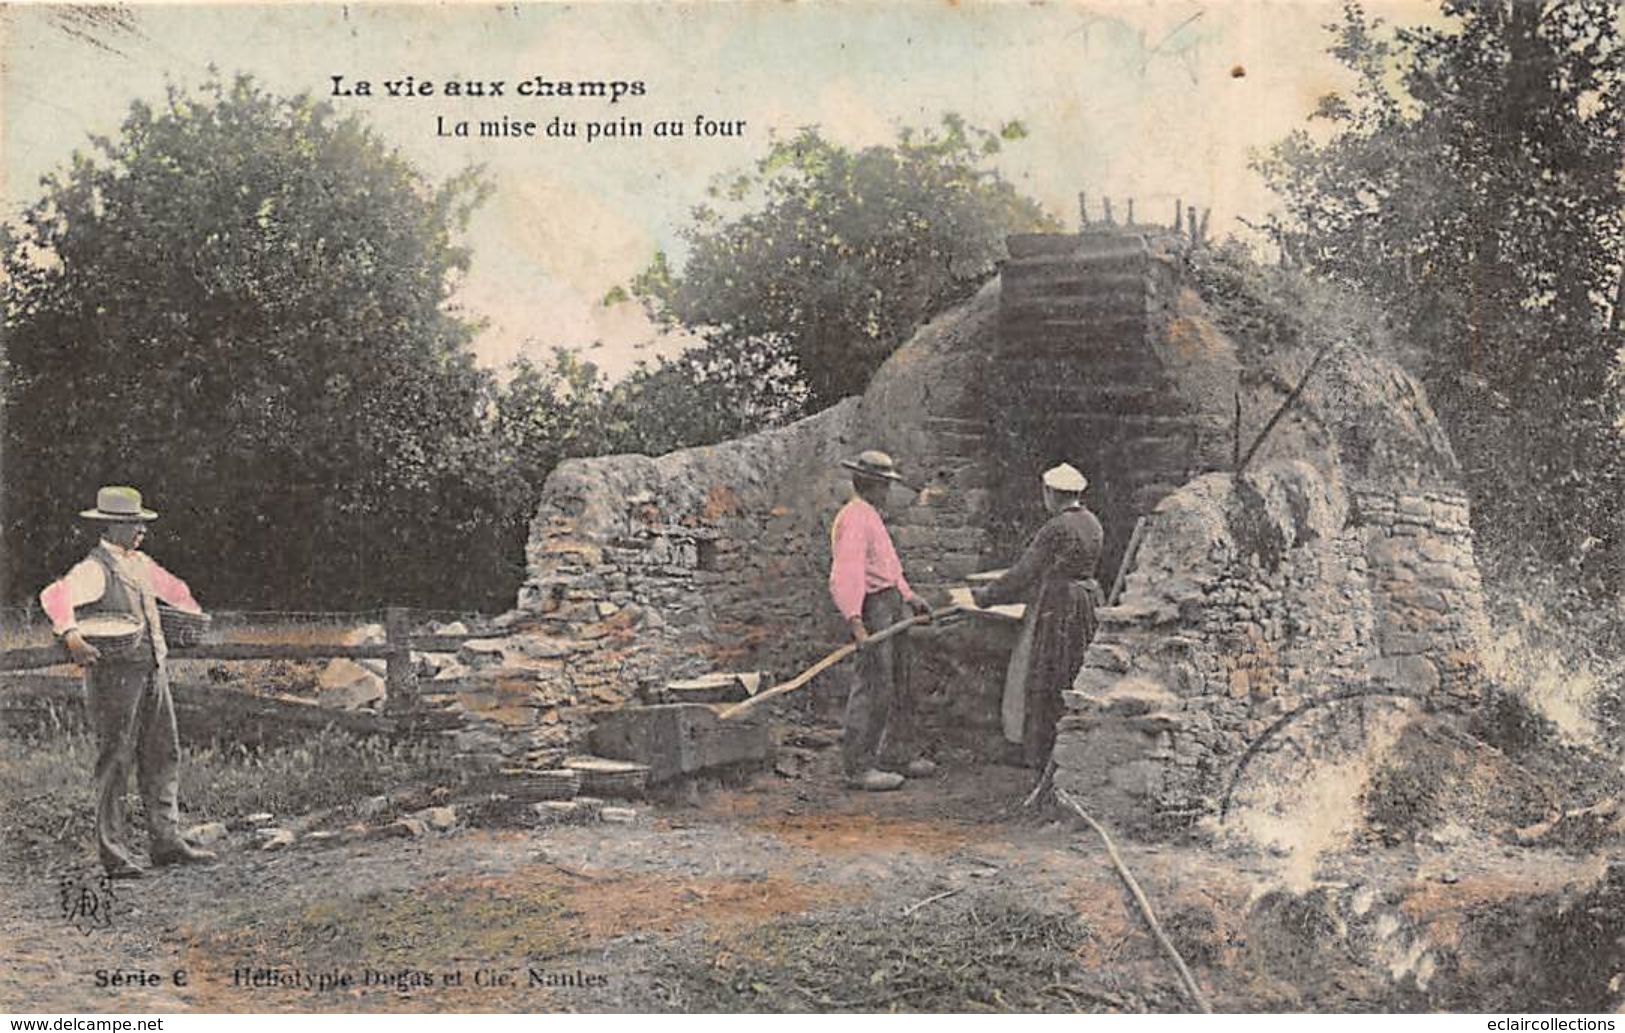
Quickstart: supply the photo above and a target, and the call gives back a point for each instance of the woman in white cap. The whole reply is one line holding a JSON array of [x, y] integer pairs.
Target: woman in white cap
[[1055, 577]]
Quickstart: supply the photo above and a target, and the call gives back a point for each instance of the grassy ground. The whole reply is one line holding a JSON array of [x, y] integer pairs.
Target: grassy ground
[[45, 781]]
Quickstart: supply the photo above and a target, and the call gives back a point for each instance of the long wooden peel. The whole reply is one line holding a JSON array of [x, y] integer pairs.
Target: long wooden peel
[[836, 657]]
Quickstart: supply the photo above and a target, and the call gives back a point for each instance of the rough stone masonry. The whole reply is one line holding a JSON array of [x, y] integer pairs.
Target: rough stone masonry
[[1342, 556]]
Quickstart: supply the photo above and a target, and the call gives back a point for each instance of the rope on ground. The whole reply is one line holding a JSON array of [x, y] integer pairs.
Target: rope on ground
[[1193, 991]]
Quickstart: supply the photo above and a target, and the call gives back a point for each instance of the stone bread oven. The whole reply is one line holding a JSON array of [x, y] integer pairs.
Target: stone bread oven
[[1341, 557]]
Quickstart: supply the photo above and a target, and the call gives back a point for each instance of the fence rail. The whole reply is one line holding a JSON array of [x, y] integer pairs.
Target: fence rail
[[400, 642]]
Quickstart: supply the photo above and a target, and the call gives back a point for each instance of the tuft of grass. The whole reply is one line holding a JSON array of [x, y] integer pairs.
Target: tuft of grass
[[986, 955], [45, 781], [329, 770]]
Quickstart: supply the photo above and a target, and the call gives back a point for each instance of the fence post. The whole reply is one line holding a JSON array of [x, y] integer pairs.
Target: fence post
[[401, 684]]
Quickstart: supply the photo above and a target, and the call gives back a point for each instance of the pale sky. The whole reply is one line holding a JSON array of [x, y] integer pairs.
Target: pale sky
[[1127, 99]]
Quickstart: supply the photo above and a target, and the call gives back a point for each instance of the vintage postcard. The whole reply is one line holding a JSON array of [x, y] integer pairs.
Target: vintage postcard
[[822, 507]]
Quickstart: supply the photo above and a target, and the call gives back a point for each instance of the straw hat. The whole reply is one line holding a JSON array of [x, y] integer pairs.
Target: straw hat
[[118, 504], [874, 465]]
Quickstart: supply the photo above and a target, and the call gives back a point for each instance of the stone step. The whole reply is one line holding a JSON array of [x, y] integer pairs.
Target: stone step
[[1091, 306], [1026, 325], [1041, 247], [1025, 246], [959, 444], [955, 424], [678, 739], [1122, 259], [1163, 452], [1071, 278]]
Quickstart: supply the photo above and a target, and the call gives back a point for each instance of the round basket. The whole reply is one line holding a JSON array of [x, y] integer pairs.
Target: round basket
[[114, 636], [180, 627]]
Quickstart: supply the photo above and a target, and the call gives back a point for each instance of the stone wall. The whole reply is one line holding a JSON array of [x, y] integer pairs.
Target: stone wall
[[1342, 556], [1250, 600], [645, 570]]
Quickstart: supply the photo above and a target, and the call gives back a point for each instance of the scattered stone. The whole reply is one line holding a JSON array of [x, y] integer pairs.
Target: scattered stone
[[275, 839], [539, 647], [321, 835], [348, 685], [259, 818], [618, 815], [429, 665], [439, 818], [454, 628], [481, 652], [812, 738], [406, 828], [209, 832]]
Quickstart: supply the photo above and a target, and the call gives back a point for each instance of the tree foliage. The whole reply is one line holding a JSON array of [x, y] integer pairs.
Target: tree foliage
[[568, 409], [241, 304], [805, 272], [1472, 182]]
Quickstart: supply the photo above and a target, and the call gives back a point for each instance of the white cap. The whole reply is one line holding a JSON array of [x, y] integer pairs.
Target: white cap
[[1065, 478]]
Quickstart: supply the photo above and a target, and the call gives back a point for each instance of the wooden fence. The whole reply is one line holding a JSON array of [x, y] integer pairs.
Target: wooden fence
[[227, 707]]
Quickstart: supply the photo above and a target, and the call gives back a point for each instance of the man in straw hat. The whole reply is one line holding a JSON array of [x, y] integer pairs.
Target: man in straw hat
[[1055, 577], [128, 693], [866, 581]]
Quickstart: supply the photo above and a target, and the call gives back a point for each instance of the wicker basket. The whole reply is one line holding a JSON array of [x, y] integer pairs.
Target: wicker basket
[[182, 628], [114, 636]]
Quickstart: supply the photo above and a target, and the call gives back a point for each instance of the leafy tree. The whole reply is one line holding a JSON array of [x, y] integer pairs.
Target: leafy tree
[[831, 258], [1472, 181], [568, 409], [551, 413], [240, 303]]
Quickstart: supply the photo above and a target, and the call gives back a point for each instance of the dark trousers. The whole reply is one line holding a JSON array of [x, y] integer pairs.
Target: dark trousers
[[134, 716], [880, 708]]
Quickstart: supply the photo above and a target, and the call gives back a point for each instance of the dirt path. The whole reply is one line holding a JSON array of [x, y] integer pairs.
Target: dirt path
[[782, 895]]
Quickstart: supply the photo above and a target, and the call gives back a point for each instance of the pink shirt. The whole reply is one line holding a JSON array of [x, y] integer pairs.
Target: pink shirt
[[864, 560], [87, 582]]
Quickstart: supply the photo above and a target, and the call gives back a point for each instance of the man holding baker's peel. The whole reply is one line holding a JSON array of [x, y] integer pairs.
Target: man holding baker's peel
[[118, 587], [867, 583]]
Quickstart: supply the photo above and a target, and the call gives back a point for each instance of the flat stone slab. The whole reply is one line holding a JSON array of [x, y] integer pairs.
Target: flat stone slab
[[719, 687], [676, 739]]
